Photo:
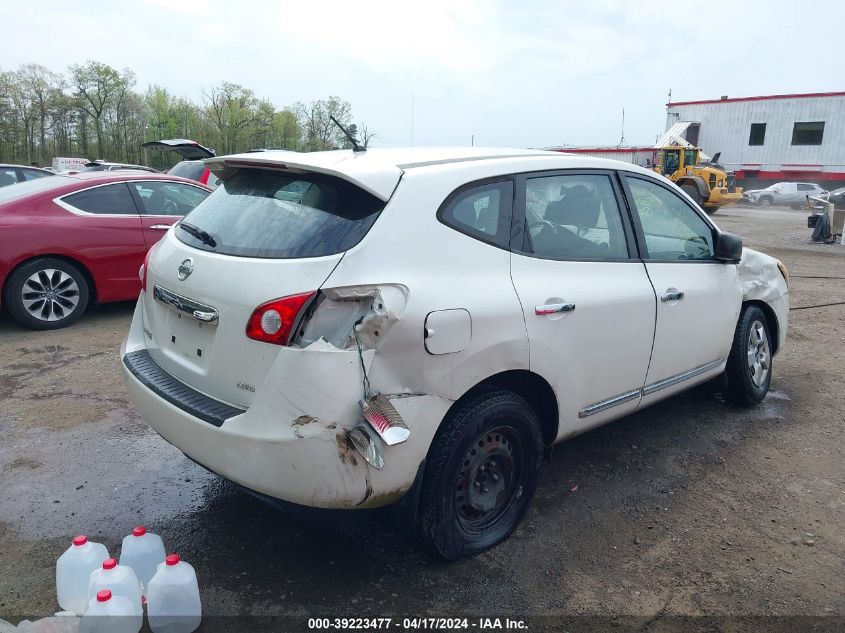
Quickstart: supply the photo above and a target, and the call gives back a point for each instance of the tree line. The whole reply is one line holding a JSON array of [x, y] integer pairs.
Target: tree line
[[94, 111]]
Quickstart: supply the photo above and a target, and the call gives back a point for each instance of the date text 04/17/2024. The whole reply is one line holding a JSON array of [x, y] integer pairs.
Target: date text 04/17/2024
[[416, 624]]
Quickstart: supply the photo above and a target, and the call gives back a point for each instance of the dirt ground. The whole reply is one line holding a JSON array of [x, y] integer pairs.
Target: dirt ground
[[689, 508]]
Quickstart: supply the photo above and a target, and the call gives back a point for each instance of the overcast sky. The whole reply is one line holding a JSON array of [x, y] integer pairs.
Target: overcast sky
[[528, 74]]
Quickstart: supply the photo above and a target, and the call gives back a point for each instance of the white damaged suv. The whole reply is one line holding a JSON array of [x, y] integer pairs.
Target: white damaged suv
[[348, 329]]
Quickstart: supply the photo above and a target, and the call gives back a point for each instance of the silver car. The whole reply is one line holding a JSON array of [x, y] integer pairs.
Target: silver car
[[788, 194]]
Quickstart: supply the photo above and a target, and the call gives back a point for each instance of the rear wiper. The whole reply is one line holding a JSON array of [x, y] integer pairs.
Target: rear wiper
[[202, 236]]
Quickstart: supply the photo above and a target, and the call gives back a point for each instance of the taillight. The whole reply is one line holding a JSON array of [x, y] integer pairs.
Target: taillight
[[273, 322], [142, 272]]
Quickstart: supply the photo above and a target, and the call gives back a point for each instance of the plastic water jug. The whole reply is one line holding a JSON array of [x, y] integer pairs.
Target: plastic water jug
[[173, 598], [73, 569], [110, 614], [120, 580], [142, 551]]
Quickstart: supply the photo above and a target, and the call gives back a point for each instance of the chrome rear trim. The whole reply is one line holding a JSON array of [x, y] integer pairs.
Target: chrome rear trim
[[197, 310]]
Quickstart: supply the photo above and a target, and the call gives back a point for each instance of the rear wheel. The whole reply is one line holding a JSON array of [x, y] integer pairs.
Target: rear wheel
[[480, 475], [749, 368], [46, 294]]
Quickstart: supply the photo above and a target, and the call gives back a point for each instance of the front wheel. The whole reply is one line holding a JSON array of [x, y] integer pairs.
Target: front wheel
[[46, 294], [692, 192], [749, 368], [765, 202], [480, 475]]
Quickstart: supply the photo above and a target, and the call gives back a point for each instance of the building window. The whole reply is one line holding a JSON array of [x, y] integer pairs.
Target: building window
[[758, 134], [808, 133]]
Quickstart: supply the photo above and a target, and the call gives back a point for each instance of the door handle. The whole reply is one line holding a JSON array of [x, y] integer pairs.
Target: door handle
[[553, 308], [671, 296], [161, 227]]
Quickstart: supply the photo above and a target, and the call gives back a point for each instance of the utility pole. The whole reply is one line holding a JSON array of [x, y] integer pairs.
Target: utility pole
[[412, 119], [472, 141], [622, 140]]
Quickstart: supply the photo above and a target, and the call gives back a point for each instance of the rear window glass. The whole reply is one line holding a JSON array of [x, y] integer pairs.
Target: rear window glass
[[260, 213], [106, 200], [190, 169]]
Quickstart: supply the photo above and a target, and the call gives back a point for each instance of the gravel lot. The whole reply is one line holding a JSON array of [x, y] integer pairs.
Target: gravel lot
[[689, 508]]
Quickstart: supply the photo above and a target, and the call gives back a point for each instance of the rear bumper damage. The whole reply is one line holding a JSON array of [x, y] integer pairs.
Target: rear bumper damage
[[294, 443]]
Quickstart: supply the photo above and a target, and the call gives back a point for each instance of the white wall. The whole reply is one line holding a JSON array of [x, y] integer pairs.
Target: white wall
[[725, 127]]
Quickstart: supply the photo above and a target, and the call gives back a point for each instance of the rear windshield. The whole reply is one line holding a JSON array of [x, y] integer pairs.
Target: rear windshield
[[262, 213], [190, 169]]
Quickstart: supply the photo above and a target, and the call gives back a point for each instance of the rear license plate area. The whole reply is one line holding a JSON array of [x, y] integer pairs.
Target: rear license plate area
[[190, 327]]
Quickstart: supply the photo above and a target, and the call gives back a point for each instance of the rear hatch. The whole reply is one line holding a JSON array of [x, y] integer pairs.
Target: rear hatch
[[189, 150], [262, 235]]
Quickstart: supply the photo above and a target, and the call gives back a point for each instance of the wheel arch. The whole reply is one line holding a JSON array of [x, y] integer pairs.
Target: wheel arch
[[771, 320], [89, 278], [530, 386]]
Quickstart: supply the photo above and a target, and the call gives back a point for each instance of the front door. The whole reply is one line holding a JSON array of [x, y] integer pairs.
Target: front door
[[587, 301], [699, 297], [163, 204]]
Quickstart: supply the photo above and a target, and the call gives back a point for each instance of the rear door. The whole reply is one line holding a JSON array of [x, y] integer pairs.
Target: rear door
[[114, 239], [264, 235], [698, 297], [587, 301], [163, 203]]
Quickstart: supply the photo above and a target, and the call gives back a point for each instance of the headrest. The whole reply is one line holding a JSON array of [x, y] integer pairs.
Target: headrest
[[579, 207]]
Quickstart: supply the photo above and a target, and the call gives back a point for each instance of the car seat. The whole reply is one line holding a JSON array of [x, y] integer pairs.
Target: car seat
[[578, 208], [155, 203]]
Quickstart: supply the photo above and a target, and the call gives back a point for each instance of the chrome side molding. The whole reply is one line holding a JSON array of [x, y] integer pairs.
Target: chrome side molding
[[654, 387], [604, 405], [686, 375]]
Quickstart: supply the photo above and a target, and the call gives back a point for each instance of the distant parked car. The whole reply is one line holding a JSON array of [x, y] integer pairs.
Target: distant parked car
[[101, 165], [791, 194], [10, 174], [193, 167], [68, 241]]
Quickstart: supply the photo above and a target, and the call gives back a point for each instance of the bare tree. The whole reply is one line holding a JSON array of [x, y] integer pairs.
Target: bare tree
[[97, 86], [365, 135]]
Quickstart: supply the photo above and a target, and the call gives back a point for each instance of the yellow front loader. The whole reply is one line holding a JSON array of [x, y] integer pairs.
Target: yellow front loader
[[708, 183]]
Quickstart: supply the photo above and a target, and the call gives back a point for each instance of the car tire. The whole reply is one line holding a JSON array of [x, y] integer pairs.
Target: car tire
[[765, 202], [46, 294], [480, 474], [692, 192], [749, 369]]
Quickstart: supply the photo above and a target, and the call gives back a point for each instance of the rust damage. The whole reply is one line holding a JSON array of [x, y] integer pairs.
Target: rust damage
[[346, 451], [303, 420]]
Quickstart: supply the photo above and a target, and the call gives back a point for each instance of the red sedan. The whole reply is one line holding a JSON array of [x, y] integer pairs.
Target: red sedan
[[69, 241]]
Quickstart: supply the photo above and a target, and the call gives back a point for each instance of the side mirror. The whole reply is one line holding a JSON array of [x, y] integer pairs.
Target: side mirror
[[728, 247]]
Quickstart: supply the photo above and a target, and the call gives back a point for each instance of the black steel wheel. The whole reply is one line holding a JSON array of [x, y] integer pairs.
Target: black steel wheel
[[480, 474]]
